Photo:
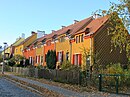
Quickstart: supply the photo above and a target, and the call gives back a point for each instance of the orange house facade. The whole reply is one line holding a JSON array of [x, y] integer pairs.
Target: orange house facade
[[30, 53], [49, 45]]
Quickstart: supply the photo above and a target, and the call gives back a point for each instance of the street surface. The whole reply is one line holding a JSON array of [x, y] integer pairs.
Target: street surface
[[8, 89]]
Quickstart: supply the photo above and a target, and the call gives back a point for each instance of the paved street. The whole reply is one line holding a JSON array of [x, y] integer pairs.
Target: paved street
[[8, 89]]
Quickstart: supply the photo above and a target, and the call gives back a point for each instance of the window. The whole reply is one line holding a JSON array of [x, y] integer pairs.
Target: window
[[36, 59], [31, 60], [38, 46], [16, 50], [62, 38], [67, 56], [41, 59], [77, 59], [76, 39], [21, 49], [45, 57], [82, 38], [60, 56], [48, 43], [79, 38]]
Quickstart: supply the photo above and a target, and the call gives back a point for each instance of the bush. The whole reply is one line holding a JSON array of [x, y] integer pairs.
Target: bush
[[75, 68], [21, 63], [11, 62], [117, 69], [17, 65], [114, 69], [66, 65], [39, 67]]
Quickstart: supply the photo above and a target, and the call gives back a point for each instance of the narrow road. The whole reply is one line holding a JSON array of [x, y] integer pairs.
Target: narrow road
[[8, 89]]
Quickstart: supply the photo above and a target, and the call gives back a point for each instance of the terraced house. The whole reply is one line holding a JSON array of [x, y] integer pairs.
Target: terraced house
[[19, 48], [65, 39], [9, 51], [70, 41], [34, 50], [29, 53], [38, 45]]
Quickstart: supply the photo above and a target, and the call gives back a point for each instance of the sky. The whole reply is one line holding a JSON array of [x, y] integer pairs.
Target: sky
[[24, 16]]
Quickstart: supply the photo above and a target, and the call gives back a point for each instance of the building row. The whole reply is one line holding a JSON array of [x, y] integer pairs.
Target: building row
[[71, 43]]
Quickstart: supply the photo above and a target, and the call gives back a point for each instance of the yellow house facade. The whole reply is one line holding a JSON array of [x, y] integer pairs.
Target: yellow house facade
[[19, 48], [82, 47], [63, 48], [39, 53], [65, 38], [10, 50], [6, 52]]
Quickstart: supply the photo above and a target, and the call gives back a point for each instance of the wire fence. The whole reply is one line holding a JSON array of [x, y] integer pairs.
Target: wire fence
[[114, 83]]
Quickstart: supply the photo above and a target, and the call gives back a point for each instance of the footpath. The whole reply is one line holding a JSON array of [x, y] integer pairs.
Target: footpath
[[53, 91]]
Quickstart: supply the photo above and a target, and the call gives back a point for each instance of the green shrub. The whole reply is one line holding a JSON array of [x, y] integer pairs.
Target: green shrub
[[75, 68], [39, 67], [11, 62], [66, 65], [21, 63], [114, 69], [51, 59], [17, 65], [117, 69]]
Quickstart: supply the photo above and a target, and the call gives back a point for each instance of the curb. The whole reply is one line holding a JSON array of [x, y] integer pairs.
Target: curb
[[34, 88]]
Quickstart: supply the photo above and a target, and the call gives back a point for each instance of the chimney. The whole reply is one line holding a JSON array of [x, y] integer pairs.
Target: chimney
[[95, 16], [63, 27], [76, 21], [17, 39], [53, 31], [23, 36], [32, 32], [40, 33]]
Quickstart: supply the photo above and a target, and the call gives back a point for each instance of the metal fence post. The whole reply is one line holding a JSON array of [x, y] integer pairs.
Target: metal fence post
[[117, 77], [100, 82]]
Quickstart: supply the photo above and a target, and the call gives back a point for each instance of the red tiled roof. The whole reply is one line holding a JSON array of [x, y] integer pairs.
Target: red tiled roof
[[95, 24], [37, 40], [73, 28], [26, 39]]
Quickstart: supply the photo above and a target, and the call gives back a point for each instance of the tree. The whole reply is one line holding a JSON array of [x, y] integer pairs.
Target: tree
[[17, 59], [119, 25], [51, 59], [86, 59], [26, 62]]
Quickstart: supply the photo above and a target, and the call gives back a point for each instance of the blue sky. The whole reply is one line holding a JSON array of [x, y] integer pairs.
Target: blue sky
[[24, 16]]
